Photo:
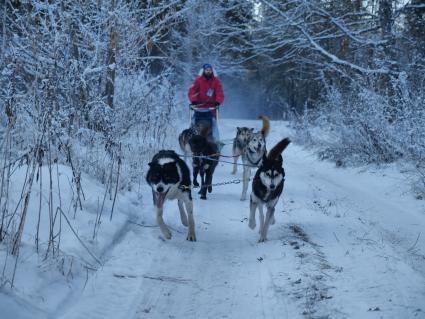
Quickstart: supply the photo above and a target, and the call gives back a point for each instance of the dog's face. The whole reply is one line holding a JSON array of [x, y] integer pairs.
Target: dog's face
[[256, 143], [162, 176], [243, 134], [186, 134], [271, 172]]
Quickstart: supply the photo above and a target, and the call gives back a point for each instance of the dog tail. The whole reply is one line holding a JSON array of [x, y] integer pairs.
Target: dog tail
[[266, 125], [278, 148]]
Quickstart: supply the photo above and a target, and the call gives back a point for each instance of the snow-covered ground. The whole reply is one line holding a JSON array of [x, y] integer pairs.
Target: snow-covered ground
[[347, 243]]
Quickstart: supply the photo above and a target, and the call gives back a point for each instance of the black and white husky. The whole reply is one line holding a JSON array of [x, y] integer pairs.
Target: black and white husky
[[253, 153], [169, 177], [267, 186], [243, 134]]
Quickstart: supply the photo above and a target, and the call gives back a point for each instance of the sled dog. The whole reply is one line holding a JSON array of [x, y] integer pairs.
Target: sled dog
[[253, 153], [243, 134], [169, 178], [267, 186]]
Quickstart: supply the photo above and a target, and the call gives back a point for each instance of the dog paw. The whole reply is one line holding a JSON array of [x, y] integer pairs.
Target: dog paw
[[262, 239], [243, 198], [209, 189], [191, 237], [195, 183], [252, 224], [167, 234], [233, 172], [272, 220], [203, 196]]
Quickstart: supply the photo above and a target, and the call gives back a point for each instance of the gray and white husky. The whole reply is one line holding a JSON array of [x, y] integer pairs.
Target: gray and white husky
[[267, 186], [243, 134], [169, 178], [253, 153]]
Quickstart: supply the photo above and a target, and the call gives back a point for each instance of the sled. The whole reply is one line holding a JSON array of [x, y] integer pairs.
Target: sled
[[199, 116]]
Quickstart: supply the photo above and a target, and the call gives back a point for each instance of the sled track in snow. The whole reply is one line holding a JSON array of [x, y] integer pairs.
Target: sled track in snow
[[327, 256]]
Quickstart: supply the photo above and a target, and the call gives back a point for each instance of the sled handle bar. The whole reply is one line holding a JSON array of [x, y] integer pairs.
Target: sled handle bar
[[194, 108]]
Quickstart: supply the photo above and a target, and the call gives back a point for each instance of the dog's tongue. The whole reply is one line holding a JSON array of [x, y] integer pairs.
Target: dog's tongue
[[160, 199]]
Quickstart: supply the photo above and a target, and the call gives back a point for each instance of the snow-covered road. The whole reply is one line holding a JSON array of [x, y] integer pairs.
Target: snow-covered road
[[346, 244]]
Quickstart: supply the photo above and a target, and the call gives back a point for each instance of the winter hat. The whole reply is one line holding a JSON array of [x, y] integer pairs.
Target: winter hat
[[207, 66]]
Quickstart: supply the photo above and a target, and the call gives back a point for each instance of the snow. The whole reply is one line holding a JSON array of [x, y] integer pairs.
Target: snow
[[347, 243], [42, 284]]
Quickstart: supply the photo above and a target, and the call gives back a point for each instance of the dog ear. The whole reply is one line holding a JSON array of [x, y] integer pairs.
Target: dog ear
[[150, 164], [238, 129], [251, 129]]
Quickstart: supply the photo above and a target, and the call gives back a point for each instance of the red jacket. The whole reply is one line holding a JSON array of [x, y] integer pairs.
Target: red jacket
[[206, 90]]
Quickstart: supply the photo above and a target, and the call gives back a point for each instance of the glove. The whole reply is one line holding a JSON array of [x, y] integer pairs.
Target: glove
[[216, 103], [195, 103]]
